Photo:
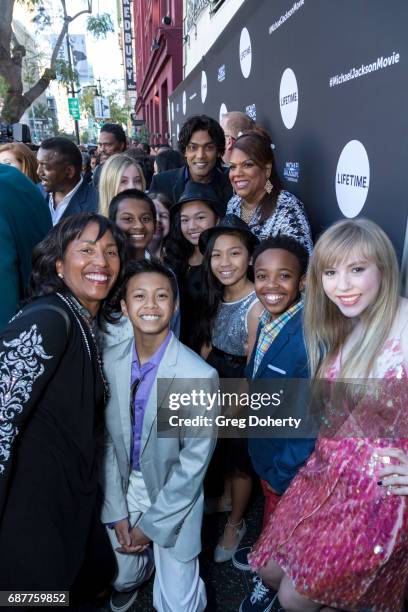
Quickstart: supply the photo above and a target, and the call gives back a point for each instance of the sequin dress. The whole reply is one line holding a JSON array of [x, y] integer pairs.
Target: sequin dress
[[228, 356], [337, 534], [230, 329]]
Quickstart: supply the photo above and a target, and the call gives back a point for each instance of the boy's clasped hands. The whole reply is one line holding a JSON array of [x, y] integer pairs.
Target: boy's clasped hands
[[131, 540]]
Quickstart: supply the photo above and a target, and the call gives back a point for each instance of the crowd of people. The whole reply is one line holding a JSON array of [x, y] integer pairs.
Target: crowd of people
[[133, 265]]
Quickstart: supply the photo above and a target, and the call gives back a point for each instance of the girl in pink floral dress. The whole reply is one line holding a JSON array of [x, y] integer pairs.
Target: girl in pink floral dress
[[339, 536]]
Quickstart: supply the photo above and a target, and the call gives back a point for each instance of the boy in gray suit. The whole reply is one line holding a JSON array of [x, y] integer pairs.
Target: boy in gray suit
[[153, 486]]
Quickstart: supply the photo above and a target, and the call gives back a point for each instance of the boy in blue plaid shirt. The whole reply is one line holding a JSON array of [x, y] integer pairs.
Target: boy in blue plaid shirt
[[279, 352]]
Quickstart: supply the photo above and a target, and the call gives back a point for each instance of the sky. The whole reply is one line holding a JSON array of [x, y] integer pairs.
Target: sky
[[104, 55]]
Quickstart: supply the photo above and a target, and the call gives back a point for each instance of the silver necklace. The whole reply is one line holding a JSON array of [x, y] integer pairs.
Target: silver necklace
[[77, 313], [248, 214]]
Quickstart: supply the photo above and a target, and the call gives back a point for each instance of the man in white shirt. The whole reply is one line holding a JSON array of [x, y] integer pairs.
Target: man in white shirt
[[59, 169]]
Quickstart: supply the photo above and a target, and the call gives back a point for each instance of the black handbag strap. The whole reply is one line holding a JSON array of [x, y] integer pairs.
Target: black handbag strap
[[38, 307]]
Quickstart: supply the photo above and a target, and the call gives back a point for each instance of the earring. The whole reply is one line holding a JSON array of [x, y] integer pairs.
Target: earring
[[268, 186], [60, 275]]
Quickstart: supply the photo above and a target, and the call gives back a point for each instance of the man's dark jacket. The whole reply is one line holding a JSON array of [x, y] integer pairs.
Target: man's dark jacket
[[85, 199], [173, 182]]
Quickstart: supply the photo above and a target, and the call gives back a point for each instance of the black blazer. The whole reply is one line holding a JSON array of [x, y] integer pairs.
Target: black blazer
[[172, 183], [85, 199]]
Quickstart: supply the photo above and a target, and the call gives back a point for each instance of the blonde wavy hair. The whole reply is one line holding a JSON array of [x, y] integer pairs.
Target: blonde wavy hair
[[111, 175], [326, 328], [25, 157]]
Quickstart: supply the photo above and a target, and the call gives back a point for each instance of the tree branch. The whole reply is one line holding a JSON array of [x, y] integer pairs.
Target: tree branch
[[19, 51], [49, 74], [62, 34], [58, 44], [7, 7], [84, 12], [40, 86]]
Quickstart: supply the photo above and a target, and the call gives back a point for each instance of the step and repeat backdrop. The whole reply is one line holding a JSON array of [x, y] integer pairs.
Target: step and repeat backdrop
[[329, 80]]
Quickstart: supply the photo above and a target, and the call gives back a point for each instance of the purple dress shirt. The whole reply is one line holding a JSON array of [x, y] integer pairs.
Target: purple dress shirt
[[142, 380]]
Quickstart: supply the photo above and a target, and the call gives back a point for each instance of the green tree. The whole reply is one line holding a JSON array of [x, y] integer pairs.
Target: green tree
[[85, 137], [86, 102], [13, 54], [71, 136], [119, 112]]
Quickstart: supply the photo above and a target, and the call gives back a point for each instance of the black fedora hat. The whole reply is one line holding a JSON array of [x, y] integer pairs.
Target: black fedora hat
[[202, 192], [229, 224]]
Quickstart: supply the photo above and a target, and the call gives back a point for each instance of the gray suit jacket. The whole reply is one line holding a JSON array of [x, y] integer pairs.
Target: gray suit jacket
[[173, 468]]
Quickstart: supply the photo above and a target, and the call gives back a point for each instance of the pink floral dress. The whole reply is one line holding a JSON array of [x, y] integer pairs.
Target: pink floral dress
[[336, 533]]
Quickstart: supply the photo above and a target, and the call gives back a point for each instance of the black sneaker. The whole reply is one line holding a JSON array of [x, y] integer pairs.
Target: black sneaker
[[240, 559], [261, 599], [121, 601]]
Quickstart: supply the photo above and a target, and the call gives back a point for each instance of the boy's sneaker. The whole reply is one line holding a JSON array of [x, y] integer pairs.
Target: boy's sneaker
[[261, 599], [240, 559], [120, 601]]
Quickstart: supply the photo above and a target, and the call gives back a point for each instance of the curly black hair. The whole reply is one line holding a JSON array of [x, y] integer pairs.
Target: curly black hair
[[66, 149], [44, 279], [117, 131], [286, 243], [169, 160], [201, 122]]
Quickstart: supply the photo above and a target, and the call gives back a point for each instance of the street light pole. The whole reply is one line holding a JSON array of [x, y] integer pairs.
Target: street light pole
[[71, 72]]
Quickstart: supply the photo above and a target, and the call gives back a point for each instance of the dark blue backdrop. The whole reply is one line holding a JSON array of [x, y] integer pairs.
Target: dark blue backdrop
[[319, 40]]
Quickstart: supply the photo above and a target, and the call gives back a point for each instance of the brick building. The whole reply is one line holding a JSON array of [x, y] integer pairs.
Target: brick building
[[158, 45]]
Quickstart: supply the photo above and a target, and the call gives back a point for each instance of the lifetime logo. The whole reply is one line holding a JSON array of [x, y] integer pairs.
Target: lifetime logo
[[245, 52], [289, 99], [353, 180]]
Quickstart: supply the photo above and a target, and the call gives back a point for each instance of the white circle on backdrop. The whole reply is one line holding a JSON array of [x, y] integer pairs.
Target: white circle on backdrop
[[223, 110], [352, 178], [184, 102], [203, 86], [172, 111], [288, 98], [245, 53]]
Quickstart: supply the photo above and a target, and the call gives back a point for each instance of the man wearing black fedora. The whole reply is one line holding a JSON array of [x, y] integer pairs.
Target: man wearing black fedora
[[202, 143]]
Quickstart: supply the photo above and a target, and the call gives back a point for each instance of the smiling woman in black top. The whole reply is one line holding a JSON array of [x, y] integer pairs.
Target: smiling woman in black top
[[52, 394]]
